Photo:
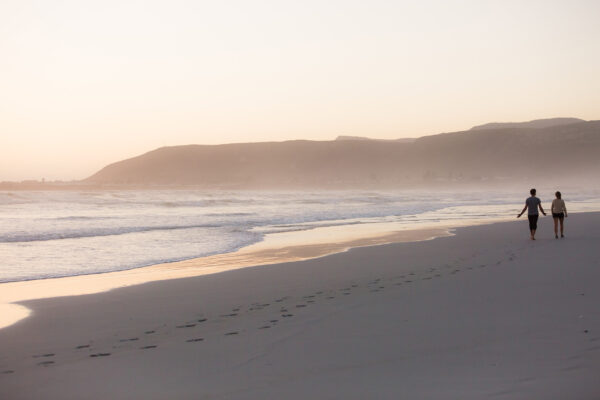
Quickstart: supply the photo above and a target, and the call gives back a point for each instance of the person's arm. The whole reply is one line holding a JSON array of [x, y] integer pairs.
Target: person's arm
[[521, 213], [565, 208], [541, 208]]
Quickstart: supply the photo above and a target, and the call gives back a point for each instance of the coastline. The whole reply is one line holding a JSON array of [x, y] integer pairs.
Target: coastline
[[484, 313], [275, 248]]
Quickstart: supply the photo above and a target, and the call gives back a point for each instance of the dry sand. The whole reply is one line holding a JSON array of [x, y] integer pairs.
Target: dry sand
[[482, 314]]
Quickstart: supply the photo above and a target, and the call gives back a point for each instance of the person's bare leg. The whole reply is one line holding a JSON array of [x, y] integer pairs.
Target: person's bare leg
[[556, 227], [562, 220], [533, 234]]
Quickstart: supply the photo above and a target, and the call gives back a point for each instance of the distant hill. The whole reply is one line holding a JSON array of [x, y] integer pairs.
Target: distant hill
[[405, 140], [536, 124], [505, 154]]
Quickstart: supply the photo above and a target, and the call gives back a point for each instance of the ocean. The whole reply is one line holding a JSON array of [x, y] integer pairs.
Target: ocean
[[63, 233]]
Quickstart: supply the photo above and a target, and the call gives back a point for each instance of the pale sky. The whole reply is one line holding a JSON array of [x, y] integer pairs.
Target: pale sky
[[86, 83]]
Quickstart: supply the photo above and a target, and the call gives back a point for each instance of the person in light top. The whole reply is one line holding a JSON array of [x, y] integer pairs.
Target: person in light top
[[559, 213], [531, 205]]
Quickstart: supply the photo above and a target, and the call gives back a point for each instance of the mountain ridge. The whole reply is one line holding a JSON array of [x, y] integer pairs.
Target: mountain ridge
[[534, 124], [497, 154]]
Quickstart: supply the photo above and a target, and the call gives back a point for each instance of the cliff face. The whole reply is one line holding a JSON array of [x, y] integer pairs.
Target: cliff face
[[491, 154]]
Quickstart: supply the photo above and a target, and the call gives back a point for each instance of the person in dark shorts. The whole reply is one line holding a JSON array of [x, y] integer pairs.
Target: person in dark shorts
[[531, 205], [559, 213]]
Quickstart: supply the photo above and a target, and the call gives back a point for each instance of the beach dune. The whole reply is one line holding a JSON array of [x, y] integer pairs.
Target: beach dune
[[485, 313]]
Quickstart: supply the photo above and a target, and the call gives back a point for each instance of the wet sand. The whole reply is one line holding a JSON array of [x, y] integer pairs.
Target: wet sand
[[277, 248], [485, 313]]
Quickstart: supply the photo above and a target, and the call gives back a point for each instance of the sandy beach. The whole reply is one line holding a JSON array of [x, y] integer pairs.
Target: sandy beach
[[485, 313]]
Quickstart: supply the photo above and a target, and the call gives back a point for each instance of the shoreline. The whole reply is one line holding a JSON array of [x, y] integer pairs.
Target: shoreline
[[276, 248]]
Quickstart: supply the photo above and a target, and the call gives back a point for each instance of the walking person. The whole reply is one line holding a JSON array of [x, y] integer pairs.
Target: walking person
[[559, 213], [531, 205]]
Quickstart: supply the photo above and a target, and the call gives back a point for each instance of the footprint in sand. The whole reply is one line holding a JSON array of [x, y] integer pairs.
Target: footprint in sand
[[287, 315], [202, 320], [265, 327], [187, 325], [100, 355], [129, 340], [8, 371], [195, 340], [231, 333], [83, 346], [300, 305], [152, 346], [44, 355], [45, 363], [258, 306], [149, 332]]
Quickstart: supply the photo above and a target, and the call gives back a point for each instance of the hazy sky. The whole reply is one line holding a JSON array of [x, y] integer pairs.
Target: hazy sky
[[85, 83]]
